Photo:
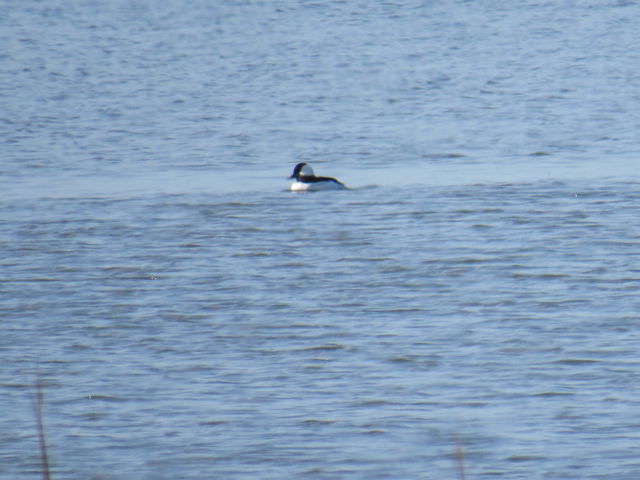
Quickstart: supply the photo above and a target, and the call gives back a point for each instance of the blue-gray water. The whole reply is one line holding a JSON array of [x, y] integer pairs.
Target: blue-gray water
[[476, 289]]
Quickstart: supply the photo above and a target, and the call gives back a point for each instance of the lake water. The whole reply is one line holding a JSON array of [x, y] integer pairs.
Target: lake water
[[474, 292]]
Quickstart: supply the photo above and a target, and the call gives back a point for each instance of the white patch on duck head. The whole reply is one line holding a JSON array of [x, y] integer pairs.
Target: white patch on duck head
[[306, 171]]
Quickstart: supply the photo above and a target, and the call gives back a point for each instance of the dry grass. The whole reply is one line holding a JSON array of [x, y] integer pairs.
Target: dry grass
[[38, 404], [458, 456]]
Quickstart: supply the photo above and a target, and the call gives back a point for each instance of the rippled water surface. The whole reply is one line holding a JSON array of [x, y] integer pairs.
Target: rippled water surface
[[473, 294]]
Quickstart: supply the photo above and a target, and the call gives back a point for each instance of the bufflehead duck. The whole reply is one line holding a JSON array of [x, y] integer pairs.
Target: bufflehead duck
[[307, 180]]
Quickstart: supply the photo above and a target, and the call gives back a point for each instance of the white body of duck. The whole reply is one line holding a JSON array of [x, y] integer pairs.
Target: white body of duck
[[306, 180]]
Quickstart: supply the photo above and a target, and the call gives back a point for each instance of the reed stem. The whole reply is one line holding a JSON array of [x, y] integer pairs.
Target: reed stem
[[459, 458], [38, 404]]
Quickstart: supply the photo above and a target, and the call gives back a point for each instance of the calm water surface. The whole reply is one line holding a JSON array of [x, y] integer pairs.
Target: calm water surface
[[475, 289]]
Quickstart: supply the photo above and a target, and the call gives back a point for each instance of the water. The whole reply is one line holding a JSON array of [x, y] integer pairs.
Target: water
[[475, 290]]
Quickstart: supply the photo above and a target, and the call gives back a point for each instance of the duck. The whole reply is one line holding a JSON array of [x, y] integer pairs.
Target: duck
[[306, 180]]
